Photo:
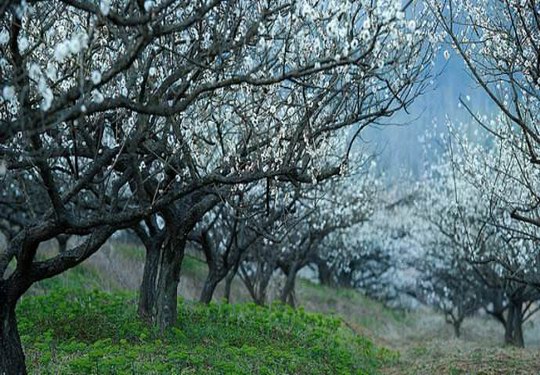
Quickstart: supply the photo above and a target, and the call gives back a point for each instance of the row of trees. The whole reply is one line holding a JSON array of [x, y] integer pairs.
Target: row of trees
[[226, 123], [480, 235], [475, 256]]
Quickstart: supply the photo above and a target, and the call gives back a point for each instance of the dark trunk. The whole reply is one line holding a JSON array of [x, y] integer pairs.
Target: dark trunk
[[518, 333], [287, 293], [513, 334], [325, 274], [344, 280], [217, 268], [457, 328], [147, 292], [158, 291], [509, 326], [260, 293], [11, 352], [164, 313], [257, 289], [228, 282], [257, 282], [62, 242], [179, 222], [210, 284]]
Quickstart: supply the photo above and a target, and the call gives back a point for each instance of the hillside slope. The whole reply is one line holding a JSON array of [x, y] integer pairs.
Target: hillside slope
[[419, 342], [72, 331]]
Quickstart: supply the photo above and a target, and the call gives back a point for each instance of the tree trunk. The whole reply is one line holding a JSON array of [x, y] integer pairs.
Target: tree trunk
[[518, 332], [513, 334], [257, 283], [62, 242], [11, 352], [509, 327], [210, 284], [228, 282], [457, 328], [325, 275], [287, 293], [260, 295], [147, 291], [159, 287], [165, 309]]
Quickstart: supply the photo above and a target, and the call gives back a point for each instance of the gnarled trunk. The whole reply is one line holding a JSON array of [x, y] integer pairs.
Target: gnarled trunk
[[148, 289], [164, 312], [159, 292], [159, 287], [257, 289], [212, 280], [11, 351], [257, 282]]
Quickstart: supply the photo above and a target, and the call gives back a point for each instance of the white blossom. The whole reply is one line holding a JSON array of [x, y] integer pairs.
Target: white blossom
[[8, 92], [446, 55], [97, 96], [105, 7], [51, 71], [23, 43], [4, 37], [96, 77], [148, 5], [61, 51]]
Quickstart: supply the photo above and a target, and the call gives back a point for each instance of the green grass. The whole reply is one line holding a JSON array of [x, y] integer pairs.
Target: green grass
[[72, 331], [82, 277], [66, 330], [353, 305], [130, 251], [194, 267]]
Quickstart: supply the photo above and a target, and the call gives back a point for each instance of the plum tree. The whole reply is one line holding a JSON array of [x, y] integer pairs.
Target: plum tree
[[127, 112]]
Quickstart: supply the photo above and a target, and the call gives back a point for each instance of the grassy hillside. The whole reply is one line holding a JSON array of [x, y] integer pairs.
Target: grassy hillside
[[81, 332], [69, 327], [425, 343], [101, 334]]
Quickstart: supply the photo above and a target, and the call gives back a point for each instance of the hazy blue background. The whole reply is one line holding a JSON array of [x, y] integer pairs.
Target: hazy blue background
[[399, 147]]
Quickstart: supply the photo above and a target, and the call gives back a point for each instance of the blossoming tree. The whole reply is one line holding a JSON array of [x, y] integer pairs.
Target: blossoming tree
[[127, 112]]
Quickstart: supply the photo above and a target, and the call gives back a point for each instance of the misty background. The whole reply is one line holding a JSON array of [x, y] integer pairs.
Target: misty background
[[398, 143]]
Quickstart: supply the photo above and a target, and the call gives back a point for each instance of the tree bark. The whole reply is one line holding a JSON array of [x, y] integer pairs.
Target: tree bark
[[161, 275], [148, 289], [325, 275], [62, 242], [513, 334], [161, 290], [164, 312], [509, 327], [210, 284], [228, 282], [259, 296], [11, 351], [287, 293], [257, 284], [457, 328]]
